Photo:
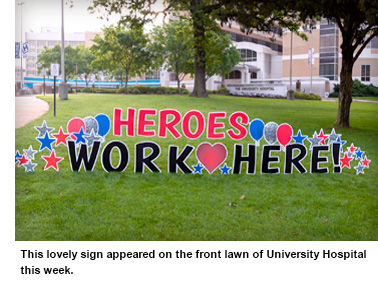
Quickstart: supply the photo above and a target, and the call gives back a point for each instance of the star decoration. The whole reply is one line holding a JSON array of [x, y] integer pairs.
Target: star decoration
[[22, 160], [91, 138], [29, 166], [52, 161], [366, 162], [198, 168], [29, 153], [18, 155], [43, 129], [359, 168], [45, 142], [322, 136], [79, 136], [359, 153], [351, 148], [225, 169], [350, 154], [61, 137], [341, 142], [314, 140], [345, 160], [299, 138], [333, 137]]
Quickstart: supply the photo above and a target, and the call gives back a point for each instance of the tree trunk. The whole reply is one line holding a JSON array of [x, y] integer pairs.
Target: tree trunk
[[178, 81], [346, 87], [199, 58], [126, 80]]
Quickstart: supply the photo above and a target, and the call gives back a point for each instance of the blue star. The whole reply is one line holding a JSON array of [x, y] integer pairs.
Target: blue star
[[45, 142], [225, 169], [79, 136], [342, 143], [198, 168], [299, 138], [359, 153], [18, 155]]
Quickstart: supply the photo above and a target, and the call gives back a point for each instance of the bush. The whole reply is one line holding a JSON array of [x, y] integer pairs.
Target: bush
[[105, 90], [87, 89], [359, 90], [218, 91], [140, 89], [306, 96]]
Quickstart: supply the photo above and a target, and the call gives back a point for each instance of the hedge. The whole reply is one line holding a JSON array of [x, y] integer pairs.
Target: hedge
[[359, 90], [307, 96], [140, 89]]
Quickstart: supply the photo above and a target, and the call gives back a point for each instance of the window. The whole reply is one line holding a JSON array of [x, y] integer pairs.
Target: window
[[248, 55], [234, 75], [254, 75], [173, 77], [154, 75], [365, 72]]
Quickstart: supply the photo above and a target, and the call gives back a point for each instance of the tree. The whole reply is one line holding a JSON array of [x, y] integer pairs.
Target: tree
[[203, 15], [47, 57], [172, 46], [358, 24], [122, 49], [84, 63]]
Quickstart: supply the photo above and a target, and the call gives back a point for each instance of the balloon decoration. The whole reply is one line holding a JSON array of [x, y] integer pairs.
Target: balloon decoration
[[74, 125], [90, 124], [256, 130], [103, 122], [270, 132], [284, 133]]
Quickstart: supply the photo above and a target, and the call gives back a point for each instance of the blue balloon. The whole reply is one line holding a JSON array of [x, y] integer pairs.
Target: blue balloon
[[256, 129], [103, 124]]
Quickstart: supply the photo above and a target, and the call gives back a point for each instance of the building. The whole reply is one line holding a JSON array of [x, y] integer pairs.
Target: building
[[325, 40]]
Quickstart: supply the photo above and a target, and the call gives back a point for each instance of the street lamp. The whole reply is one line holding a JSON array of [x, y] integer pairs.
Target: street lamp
[[290, 93], [22, 78]]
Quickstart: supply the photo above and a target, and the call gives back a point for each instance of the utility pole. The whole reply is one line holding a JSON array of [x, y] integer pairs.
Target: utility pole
[[62, 54], [22, 75], [290, 93]]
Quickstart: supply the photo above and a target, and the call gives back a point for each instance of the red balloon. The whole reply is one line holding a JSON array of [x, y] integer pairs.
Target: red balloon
[[284, 133], [74, 125]]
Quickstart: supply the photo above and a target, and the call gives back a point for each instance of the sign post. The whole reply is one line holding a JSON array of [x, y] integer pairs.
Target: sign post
[[54, 72]]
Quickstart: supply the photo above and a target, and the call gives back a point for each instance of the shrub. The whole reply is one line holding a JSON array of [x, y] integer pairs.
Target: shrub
[[133, 90], [307, 96], [87, 89], [105, 90], [218, 91], [359, 90], [140, 89]]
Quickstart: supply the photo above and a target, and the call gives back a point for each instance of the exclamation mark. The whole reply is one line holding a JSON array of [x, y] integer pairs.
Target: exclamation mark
[[336, 157]]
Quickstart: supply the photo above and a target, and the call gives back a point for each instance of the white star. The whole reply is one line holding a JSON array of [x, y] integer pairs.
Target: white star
[[29, 153], [43, 129], [29, 166], [314, 140]]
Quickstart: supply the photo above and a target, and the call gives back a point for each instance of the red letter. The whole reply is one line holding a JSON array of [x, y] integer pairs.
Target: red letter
[[164, 125], [200, 124], [117, 122], [233, 122], [212, 125], [142, 122]]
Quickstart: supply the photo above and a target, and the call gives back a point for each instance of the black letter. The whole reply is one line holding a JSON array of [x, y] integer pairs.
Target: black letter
[[316, 159], [250, 159], [290, 161], [123, 156], [140, 159], [82, 158], [266, 159], [174, 161]]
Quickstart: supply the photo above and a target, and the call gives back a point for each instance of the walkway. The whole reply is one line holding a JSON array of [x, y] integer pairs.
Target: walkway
[[354, 100], [29, 108]]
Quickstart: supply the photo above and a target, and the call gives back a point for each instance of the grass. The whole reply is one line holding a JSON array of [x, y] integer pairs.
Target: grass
[[372, 98], [97, 205]]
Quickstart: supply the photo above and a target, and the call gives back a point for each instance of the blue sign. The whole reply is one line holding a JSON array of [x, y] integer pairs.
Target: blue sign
[[17, 52], [25, 49]]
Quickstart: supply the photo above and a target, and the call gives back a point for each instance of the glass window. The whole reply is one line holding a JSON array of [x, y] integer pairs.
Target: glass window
[[154, 75], [248, 55], [234, 75], [365, 72], [172, 77]]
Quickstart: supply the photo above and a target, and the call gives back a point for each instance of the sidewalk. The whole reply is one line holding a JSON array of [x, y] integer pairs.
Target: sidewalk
[[29, 108], [354, 100]]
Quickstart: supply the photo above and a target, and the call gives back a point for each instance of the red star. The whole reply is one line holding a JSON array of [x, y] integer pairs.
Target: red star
[[366, 162], [351, 148], [324, 137], [22, 160], [52, 161], [345, 160], [61, 137]]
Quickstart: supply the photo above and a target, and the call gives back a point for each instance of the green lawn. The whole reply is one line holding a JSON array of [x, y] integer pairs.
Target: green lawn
[[372, 98], [96, 205]]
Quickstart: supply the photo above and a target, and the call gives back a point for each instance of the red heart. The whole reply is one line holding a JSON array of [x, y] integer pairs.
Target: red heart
[[211, 156]]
